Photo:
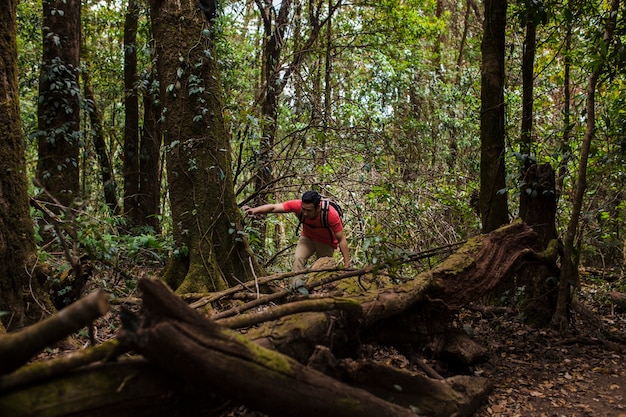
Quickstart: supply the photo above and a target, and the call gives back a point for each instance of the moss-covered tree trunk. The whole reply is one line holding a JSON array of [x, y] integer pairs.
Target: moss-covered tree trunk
[[210, 252], [17, 240], [59, 135]]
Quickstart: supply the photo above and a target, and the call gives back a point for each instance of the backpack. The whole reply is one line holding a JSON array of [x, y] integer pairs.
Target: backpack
[[326, 204]]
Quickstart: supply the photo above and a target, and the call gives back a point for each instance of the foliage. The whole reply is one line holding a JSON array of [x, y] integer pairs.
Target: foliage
[[382, 115]]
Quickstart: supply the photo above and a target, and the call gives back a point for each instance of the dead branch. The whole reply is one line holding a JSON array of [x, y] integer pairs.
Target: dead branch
[[17, 348], [274, 313], [38, 371]]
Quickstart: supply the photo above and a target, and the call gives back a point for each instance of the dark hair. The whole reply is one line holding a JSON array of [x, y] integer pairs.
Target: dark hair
[[311, 197]]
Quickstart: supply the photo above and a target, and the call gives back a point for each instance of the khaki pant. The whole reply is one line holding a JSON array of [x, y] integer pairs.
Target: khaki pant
[[307, 247]]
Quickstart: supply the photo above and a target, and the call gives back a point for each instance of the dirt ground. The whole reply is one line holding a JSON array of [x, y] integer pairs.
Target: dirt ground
[[537, 373]]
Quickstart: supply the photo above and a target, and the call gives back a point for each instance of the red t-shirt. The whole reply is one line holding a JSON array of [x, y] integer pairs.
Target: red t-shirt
[[313, 229]]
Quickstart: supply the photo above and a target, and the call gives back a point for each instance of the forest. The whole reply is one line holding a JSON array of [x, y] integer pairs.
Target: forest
[[477, 149]]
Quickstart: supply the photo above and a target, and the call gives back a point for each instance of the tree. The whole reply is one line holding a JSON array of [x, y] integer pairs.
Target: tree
[[17, 239], [569, 261], [149, 155], [493, 199], [211, 251], [109, 185], [59, 136], [131, 112]]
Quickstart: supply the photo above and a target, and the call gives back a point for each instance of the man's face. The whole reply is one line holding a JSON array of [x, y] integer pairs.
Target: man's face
[[310, 211]]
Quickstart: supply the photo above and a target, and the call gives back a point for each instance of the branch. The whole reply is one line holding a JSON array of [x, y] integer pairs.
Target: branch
[[17, 348], [47, 369], [274, 313]]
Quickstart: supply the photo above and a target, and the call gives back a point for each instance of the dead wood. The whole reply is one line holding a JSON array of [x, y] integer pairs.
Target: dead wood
[[131, 388], [618, 298], [274, 313], [467, 275], [185, 344], [17, 348], [38, 371], [458, 349], [266, 299], [456, 396]]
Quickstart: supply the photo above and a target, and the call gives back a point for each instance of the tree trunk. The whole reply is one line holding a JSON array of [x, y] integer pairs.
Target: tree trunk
[[228, 363], [538, 210], [59, 135], [473, 271], [210, 251], [131, 388], [17, 238], [109, 184], [493, 196], [275, 77], [131, 112], [528, 80], [150, 158], [564, 146], [569, 261], [17, 348]]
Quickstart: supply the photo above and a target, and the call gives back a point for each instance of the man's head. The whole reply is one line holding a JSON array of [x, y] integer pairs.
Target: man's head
[[311, 204]]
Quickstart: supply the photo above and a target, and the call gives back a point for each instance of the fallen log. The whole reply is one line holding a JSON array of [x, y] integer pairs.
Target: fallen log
[[41, 370], [131, 388], [185, 344], [17, 348], [431, 298], [455, 396]]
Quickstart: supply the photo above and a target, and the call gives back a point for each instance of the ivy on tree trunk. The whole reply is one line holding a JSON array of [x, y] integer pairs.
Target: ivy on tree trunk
[[211, 252]]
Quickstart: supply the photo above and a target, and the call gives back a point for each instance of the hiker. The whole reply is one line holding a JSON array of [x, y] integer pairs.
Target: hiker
[[322, 230]]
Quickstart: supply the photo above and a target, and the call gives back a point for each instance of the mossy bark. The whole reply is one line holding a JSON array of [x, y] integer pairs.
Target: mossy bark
[[17, 240], [211, 253]]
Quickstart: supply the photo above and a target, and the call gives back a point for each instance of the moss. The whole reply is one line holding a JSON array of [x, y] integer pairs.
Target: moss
[[260, 355]]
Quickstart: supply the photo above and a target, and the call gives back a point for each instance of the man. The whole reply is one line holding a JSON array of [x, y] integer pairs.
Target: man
[[315, 238]]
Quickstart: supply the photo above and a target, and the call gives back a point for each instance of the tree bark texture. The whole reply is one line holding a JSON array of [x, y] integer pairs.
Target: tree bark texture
[[59, 135], [150, 157], [528, 80], [17, 240], [123, 389], [182, 343], [470, 273], [210, 250], [493, 196], [131, 113]]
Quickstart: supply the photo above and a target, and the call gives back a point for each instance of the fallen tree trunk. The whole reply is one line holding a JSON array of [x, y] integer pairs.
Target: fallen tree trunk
[[124, 389], [431, 298], [185, 344]]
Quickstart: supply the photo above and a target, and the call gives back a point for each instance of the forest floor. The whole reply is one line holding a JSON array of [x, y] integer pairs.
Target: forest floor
[[534, 372], [538, 373]]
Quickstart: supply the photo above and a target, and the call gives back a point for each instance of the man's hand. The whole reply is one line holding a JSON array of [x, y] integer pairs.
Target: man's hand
[[248, 210]]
